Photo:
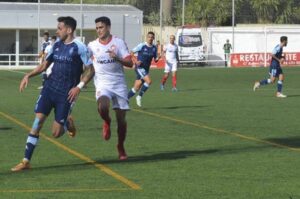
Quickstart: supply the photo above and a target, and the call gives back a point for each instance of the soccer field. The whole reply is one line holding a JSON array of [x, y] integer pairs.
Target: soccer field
[[214, 138]]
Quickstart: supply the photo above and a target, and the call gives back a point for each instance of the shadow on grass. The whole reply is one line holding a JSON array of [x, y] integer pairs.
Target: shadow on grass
[[289, 96], [175, 107], [288, 141], [175, 155], [144, 158], [5, 128]]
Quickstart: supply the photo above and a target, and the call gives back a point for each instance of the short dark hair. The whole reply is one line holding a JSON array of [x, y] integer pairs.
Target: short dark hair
[[151, 33], [68, 21], [283, 38], [53, 37], [104, 20], [46, 33]]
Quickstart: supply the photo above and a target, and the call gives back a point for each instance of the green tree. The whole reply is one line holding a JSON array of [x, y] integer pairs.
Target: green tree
[[215, 12], [265, 10]]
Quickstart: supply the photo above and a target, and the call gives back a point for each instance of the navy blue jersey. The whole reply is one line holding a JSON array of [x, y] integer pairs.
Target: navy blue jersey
[[277, 51], [68, 60], [145, 54]]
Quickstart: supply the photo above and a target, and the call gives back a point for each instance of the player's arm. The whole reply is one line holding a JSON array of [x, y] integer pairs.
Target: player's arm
[[156, 58], [87, 75], [274, 52], [124, 61], [38, 70], [276, 58], [134, 59], [177, 56]]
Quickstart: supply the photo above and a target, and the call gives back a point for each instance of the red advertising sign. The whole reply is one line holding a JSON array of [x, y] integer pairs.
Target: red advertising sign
[[258, 59], [159, 64]]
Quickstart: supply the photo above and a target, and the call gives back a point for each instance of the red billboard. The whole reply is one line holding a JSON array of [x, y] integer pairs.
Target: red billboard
[[258, 59]]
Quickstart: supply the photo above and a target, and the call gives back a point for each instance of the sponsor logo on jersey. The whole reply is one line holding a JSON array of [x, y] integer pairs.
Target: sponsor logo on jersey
[[105, 61], [62, 58]]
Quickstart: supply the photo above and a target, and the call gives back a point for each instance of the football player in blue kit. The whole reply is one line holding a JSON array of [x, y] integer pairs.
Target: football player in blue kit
[[145, 53], [275, 68], [62, 87]]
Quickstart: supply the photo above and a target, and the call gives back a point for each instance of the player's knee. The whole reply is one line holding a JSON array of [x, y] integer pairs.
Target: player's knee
[[37, 124], [148, 82], [103, 109]]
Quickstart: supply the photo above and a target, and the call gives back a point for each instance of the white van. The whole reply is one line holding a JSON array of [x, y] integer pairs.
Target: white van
[[190, 45]]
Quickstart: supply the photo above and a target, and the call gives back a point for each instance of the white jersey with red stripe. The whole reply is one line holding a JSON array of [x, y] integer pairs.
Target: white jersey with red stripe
[[170, 51], [108, 71]]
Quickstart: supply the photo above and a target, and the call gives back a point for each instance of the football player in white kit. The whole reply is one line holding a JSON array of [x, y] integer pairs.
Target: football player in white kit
[[109, 55], [172, 60]]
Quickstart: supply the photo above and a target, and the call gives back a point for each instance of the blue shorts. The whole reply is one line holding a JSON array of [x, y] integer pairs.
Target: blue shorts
[[141, 73], [275, 72], [48, 100]]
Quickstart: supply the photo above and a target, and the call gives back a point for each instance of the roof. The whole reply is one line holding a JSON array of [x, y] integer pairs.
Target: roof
[[28, 15], [5, 6]]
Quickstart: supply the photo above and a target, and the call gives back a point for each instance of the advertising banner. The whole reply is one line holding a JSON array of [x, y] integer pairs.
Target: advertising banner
[[258, 59]]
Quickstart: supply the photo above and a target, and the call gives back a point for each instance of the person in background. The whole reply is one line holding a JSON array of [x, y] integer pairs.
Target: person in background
[[227, 47], [172, 60]]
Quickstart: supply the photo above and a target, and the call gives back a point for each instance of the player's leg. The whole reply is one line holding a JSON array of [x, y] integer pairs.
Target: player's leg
[[280, 84], [137, 85], [174, 77], [122, 130], [266, 81], [163, 81], [63, 120], [42, 109], [120, 105], [103, 103], [144, 88], [166, 75]]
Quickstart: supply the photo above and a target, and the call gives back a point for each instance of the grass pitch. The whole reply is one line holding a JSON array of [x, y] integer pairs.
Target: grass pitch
[[214, 138]]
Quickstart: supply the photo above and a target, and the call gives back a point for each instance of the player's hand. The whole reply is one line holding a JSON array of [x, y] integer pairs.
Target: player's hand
[[73, 94], [112, 54], [24, 83], [137, 63], [281, 60]]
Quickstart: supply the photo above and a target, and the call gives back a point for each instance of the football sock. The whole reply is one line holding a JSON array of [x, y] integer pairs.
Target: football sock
[[265, 82], [174, 81], [279, 86], [164, 79], [131, 93], [144, 89], [30, 145]]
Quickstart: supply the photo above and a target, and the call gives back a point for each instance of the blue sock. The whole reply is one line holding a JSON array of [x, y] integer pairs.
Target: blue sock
[[265, 82], [30, 145], [144, 89], [279, 86], [131, 93]]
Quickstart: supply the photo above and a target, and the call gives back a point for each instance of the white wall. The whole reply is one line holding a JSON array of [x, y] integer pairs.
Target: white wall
[[253, 39]]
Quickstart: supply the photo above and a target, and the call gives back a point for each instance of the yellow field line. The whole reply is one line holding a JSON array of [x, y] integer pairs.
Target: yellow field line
[[102, 167], [63, 190], [239, 135]]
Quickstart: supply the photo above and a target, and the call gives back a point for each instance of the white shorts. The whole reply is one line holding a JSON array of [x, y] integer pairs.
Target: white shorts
[[170, 66], [117, 96]]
